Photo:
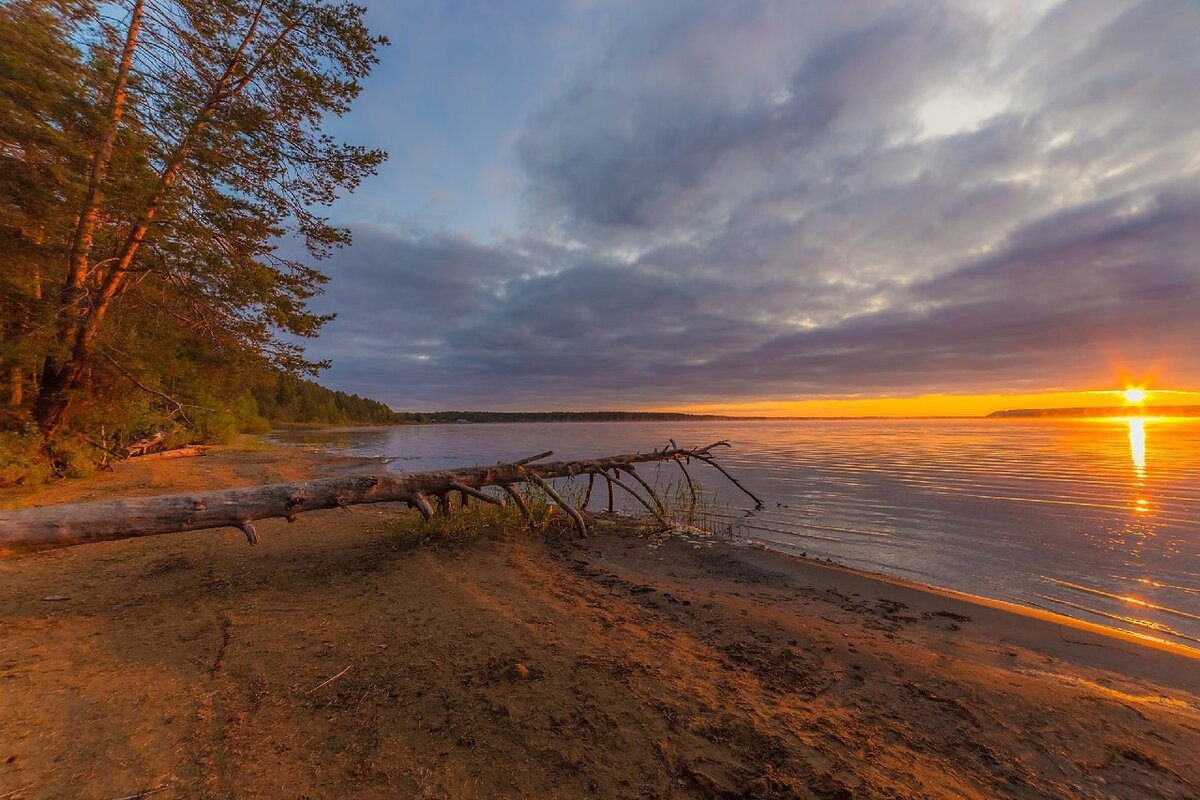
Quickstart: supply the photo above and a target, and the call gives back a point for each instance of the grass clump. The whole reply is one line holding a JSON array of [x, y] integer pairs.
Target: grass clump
[[479, 520], [682, 511]]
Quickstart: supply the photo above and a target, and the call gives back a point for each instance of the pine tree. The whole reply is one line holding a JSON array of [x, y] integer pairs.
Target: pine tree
[[43, 110], [203, 147]]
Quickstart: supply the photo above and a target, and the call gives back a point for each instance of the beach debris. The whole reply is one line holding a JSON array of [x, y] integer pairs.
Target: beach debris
[[329, 680], [188, 451], [140, 447], [141, 793], [46, 527]]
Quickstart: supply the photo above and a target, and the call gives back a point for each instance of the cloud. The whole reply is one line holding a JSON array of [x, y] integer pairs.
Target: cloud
[[752, 199]]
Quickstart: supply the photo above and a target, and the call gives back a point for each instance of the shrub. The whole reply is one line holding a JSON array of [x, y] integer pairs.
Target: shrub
[[22, 460]]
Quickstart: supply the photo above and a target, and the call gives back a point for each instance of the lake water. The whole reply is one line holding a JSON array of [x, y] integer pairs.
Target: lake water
[[1095, 519]]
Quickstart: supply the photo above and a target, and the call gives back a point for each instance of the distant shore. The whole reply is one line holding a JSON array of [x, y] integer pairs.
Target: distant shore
[[485, 417], [1098, 411], [339, 658]]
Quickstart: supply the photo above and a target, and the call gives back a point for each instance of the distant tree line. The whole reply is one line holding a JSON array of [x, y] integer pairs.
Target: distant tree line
[[1099, 411], [153, 155], [291, 400], [548, 416]]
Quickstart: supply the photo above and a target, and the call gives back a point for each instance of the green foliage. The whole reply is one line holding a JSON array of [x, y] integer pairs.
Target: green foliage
[[44, 111], [288, 399], [25, 460], [22, 460], [175, 305]]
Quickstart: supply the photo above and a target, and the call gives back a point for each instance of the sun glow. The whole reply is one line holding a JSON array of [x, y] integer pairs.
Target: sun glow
[[1133, 399], [1135, 395]]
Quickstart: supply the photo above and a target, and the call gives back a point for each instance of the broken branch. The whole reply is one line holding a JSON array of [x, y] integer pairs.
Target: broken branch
[[567, 508], [653, 511]]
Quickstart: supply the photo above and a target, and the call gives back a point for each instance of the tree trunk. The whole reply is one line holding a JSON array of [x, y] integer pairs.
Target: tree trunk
[[78, 331], [16, 386], [47, 527], [59, 378]]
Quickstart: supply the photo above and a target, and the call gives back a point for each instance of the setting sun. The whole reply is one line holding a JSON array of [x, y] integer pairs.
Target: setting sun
[[1135, 395]]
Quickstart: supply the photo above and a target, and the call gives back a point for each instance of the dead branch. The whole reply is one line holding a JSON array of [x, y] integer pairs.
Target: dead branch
[[465, 490], [708, 459], [531, 459], [649, 489], [691, 485], [519, 501], [587, 496], [421, 503], [328, 681], [140, 447], [568, 509], [660, 516], [190, 451], [28, 529]]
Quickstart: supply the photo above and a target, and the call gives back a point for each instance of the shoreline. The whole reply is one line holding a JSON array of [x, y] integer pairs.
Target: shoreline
[[1005, 606], [1011, 622], [343, 657]]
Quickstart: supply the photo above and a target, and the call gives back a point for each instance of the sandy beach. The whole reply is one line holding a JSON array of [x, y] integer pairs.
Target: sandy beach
[[341, 659]]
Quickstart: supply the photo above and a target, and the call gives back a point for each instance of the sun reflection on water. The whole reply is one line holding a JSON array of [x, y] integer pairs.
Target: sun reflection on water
[[1137, 446]]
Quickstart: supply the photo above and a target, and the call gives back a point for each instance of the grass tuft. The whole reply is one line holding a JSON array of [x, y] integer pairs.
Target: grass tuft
[[700, 514]]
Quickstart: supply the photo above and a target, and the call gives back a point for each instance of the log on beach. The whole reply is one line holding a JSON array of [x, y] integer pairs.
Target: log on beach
[[24, 530], [190, 451]]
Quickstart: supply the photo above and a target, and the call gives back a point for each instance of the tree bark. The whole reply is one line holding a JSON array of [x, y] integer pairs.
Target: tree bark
[[16, 386], [48, 527], [58, 377], [80, 329]]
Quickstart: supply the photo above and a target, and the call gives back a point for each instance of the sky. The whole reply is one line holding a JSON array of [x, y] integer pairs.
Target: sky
[[769, 206]]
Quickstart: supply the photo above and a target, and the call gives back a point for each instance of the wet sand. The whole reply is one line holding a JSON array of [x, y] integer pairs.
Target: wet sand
[[340, 659]]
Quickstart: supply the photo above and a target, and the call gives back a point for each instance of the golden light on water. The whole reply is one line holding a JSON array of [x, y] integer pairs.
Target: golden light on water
[[1137, 445]]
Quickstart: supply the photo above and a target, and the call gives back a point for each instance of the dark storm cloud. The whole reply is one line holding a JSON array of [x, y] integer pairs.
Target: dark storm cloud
[[638, 142], [770, 199]]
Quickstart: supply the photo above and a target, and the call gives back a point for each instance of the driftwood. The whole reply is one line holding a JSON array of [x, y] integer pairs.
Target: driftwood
[[190, 451], [139, 448], [47, 527]]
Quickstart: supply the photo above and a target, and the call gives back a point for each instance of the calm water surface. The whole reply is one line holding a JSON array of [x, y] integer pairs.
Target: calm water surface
[[1096, 519]]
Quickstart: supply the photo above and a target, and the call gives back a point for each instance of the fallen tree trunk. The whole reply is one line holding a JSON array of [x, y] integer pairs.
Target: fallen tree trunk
[[24, 530], [190, 451]]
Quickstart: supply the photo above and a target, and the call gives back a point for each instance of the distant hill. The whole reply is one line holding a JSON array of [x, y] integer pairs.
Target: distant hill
[[1099, 411]]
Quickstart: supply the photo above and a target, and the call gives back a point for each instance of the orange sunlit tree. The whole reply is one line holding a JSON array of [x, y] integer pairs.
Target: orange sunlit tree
[[175, 148]]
